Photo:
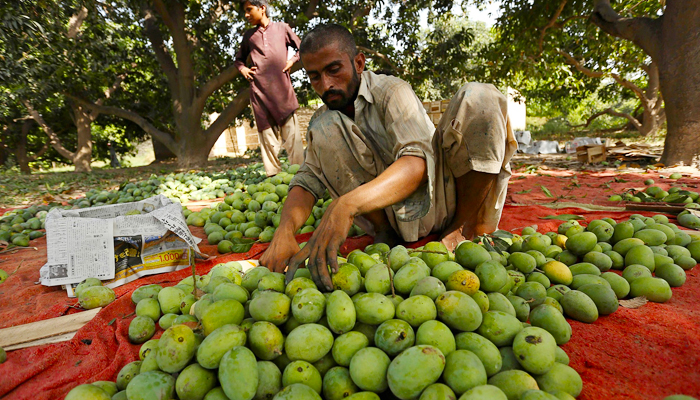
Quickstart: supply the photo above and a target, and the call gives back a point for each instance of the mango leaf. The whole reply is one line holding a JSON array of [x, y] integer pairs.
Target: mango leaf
[[503, 234], [524, 191], [546, 191], [241, 245], [563, 217]]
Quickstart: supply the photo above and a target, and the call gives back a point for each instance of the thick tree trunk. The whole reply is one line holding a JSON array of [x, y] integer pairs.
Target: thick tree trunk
[[161, 151], [673, 43], [679, 71], [83, 152], [21, 149], [193, 149]]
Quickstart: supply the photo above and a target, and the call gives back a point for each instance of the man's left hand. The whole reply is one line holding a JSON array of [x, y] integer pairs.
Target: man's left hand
[[322, 248], [288, 66]]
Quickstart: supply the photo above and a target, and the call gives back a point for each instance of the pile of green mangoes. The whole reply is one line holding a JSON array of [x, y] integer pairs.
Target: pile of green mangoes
[[254, 212], [20, 226], [674, 195], [401, 323], [202, 185]]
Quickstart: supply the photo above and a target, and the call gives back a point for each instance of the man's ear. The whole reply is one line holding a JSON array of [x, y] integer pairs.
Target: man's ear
[[360, 61]]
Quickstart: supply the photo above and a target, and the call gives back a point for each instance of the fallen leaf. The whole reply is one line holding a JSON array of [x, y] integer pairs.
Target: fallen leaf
[[634, 303], [524, 191], [546, 191]]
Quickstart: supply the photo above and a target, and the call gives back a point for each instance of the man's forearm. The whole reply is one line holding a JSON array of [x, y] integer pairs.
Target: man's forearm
[[296, 210], [395, 184]]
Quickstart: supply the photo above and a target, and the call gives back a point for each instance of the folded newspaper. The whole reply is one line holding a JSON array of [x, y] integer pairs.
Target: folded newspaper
[[117, 243]]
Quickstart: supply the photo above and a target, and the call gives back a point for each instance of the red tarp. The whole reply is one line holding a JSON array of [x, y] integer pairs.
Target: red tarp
[[584, 187], [647, 353]]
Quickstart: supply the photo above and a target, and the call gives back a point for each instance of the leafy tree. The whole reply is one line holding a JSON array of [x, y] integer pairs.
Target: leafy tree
[[194, 45], [55, 52], [658, 61]]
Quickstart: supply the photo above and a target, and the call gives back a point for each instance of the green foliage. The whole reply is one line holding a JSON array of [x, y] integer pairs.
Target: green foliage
[[527, 55]]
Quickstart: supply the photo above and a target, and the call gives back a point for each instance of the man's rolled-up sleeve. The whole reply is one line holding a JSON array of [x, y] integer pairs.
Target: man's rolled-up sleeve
[[407, 122]]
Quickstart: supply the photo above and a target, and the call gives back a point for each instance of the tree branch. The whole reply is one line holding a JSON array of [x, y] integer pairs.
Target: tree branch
[[235, 108], [383, 57], [359, 13], [552, 22], [215, 84], [642, 31], [308, 14], [150, 27], [174, 18], [610, 111], [39, 153], [108, 93], [161, 136], [75, 22], [54, 141], [599, 74]]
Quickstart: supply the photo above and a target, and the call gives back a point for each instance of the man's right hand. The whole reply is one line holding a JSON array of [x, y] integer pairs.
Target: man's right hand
[[276, 257], [249, 73]]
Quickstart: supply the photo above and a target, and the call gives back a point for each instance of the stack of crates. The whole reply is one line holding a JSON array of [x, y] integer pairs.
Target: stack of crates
[[435, 109]]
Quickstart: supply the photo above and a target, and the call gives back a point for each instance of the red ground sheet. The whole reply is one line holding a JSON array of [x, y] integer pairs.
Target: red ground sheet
[[585, 187], [646, 353]]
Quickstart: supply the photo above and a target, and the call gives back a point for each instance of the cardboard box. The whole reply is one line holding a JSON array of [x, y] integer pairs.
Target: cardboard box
[[591, 153]]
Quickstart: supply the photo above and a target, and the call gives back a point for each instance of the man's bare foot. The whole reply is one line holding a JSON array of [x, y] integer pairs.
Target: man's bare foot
[[388, 236], [452, 239]]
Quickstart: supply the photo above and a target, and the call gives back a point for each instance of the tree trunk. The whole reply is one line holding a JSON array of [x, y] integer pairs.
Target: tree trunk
[[161, 151], [679, 71], [193, 149], [83, 153], [21, 149]]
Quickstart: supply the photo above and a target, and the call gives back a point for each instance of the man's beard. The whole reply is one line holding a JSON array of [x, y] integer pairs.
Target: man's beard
[[345, 98]]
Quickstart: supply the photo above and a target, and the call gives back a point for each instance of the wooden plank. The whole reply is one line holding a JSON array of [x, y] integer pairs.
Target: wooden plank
[[46, 328], [49, 340]]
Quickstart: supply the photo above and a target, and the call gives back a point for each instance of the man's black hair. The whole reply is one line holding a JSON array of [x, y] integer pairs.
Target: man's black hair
[[323, 35], [258, 3]]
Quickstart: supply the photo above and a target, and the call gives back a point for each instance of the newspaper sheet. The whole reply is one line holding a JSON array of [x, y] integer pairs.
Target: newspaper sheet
[[116, 244]]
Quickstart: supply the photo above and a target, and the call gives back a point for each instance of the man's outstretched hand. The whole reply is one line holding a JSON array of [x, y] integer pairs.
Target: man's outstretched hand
[[322, 248], [276, 257]]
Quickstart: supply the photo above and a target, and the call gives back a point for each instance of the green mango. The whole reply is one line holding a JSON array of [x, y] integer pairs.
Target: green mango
[[577, 305], [463, 371], [194, 382], [265, 340], [238, 374], [269, 380], [417, 310], [302, 372], [458, 311], [346, 345], [87, 392], [151, 385], [401, 376], [309, 343], [340, 312], [394, 336], [550, 319], [535, 349], [436, 334], [561, 377], [368, 369], [513, 383], [176, 348], [337, 384]]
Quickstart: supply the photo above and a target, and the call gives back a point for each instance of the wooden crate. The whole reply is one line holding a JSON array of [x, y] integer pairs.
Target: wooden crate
[[589, 154]]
